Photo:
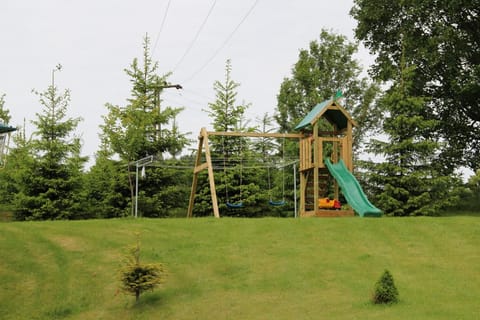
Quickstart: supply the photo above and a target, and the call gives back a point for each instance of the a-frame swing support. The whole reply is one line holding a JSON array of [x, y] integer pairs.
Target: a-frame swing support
[[199, 166]]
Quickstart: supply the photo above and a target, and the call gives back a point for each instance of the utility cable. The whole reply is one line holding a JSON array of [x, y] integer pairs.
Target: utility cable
[[161, 26], [223, 44], [196, 36]]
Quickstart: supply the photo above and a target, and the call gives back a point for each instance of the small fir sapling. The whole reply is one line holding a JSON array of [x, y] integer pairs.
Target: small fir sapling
[[385, 290], [137, 277]]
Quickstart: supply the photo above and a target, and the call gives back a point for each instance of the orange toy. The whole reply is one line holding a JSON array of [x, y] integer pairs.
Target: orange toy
[[326, 203]]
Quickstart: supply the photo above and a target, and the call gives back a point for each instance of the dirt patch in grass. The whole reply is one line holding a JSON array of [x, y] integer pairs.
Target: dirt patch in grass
[[69, 243]]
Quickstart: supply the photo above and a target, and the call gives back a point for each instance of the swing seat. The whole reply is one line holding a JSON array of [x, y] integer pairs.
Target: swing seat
[[277, 203], [235, 205]]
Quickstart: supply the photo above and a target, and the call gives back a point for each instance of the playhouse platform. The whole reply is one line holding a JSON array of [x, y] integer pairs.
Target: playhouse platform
[[328, 213]]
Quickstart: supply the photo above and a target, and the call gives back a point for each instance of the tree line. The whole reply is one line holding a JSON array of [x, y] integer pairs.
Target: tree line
[[417, 112]]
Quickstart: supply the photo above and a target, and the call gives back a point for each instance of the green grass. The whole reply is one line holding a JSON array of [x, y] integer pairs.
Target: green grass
[[243, 268]]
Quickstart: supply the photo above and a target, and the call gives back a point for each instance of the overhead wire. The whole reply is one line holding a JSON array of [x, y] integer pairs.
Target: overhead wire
[[217, 51], [196, 36], [161, 27]]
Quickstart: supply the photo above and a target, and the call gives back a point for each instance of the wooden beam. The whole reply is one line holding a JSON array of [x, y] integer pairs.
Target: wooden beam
[[330, 213], [195, 177], [303, 190], [211, 177], [201, 167], [256, 134], [316, 162]]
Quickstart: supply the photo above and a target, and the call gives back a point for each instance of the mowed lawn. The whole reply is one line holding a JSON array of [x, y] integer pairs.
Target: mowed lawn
[[227, 268]]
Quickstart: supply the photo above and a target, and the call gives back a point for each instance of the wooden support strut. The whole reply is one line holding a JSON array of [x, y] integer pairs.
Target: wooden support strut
[[203, 142]]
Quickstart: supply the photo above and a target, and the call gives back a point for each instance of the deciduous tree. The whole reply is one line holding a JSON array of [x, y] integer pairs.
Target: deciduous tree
[[325, 67], [441, 39]]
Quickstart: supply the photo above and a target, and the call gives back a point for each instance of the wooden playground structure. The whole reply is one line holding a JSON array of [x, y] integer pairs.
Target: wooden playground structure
[[315, 144]]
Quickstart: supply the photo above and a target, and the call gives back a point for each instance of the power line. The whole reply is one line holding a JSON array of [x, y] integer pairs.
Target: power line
[[161, 26], [223, 44], [196, 36]]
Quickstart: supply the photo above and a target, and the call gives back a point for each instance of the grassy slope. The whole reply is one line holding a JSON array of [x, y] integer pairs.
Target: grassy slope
[[243, 268]]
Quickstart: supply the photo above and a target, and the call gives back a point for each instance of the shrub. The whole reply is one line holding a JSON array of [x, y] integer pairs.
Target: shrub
[[385, 290], [137, 277]]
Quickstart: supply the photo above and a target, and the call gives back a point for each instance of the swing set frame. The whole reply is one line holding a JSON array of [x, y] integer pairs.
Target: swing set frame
[[203, 144]]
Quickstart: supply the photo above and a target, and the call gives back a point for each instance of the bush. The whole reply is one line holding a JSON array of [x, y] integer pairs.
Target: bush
[[385, 290], [137, 277]]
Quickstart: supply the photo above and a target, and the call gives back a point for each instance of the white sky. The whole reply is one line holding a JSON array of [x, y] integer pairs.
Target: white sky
[[95, 40]]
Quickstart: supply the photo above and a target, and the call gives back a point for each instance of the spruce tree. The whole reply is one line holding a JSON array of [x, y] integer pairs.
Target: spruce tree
[[49, 185], [409, 180], [226, 114], [142, 127], [234, 183], [385, 290], [6, 190]]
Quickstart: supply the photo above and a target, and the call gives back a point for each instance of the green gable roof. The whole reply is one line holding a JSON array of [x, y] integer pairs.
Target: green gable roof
[[329, 109], [5, 128], [311, 115]]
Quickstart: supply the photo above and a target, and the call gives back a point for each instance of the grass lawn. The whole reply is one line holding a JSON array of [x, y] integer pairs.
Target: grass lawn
[[243, 268]]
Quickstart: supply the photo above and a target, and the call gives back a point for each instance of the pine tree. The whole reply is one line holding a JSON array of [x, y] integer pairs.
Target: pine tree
[[137, 277], [226, 114], [7, 190], [409, 181], [234, 184], [49, 185], [385, 290], [105, 192], [141, 128]]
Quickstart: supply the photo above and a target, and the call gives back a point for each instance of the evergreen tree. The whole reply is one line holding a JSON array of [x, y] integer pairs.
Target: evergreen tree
[[106, 194], [4, 138], [226, 114], [234, 184], [409, 182], [385, 290], [49, 185], [6, 190], [140, 128]]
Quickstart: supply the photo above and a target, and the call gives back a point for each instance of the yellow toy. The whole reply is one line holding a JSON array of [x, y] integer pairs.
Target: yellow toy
[[326, 203]]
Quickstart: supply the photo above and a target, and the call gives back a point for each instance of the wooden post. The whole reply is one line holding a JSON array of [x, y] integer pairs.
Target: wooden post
[[320, 153], [315, 168], [203, 142], [349, 147], [196, 170], [211, 177]]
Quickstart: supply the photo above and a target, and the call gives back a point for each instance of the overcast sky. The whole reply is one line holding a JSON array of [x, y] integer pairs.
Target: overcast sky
[[95, 40]]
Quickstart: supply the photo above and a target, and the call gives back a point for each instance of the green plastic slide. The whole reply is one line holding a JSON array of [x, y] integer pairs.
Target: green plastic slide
[[352, 190]]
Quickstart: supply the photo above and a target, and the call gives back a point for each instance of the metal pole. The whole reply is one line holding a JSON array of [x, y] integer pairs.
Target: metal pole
[[142, 162], [136, 190], [295, 188]]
